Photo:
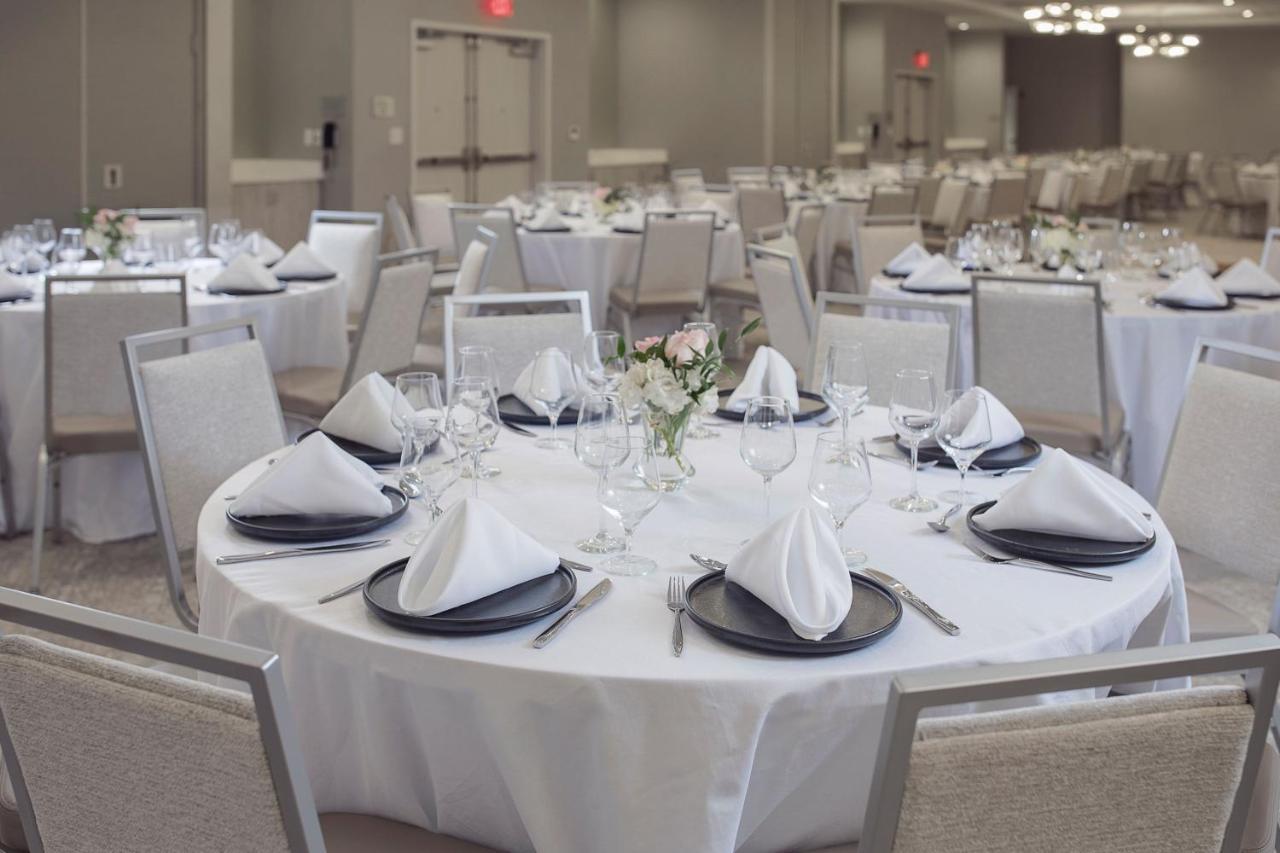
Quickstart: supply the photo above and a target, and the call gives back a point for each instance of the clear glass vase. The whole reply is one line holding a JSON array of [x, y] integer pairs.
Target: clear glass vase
[[665, 433]]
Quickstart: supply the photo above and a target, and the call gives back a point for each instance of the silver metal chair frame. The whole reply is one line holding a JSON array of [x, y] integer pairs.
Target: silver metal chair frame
[[482, 209], [912, 693], [393, 208], [167, 213], [1269, 242], [755, 250], [391, 259], [131, 347], [855, 244], [6, 488], [259, 669], [877, 191], [695, 215], [351, 217]]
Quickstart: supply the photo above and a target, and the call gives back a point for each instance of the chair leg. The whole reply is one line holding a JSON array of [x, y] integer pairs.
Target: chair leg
[[627, 338], [55, 470], [37, 529]]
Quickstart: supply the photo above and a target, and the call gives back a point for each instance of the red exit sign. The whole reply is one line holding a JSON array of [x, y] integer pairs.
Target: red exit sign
[[498, 8], [920, 59]]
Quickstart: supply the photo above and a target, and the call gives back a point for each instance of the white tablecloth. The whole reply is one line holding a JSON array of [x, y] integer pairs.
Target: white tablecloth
[[595, 258], [104, 496], [1262, 184], [604, 740], [1149, 349]]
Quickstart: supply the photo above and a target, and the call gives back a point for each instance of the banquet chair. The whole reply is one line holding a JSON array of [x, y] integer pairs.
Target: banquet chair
[[434, 227], [686, 180], [1108, 198], [806, 226], [6, 484], [1035, 180], [1167, 770], [349, 241], [1039, 345], [785, 301], [876, 240], [472, 273], [86, 395], [1220, 506], [201, 417], [109, 755], [1007, 198], [384, 343], [516, 337], [737, 175], [675, 264], [1227, 201], [400, 224], [759, 207], [927, 195], [1136, 188], [890, 344], [892, 201], [948, 216], [172, 226], [1270, 260], [506, 268]]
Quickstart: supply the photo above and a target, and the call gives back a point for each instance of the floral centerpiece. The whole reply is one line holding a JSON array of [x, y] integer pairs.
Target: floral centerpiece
[[1053, 239], [108, 231], [611, 199], [671, 378]]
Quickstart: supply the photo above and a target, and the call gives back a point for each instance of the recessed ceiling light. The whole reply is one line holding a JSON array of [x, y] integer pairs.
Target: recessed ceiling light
[[1173, 51], [1042, 27], [963, 26], [1143, 50], [1141, 28], [1128, 39], [1191, 41], [1110, 11], [1054, 9], [1228, 2], [1248, 13], [1166, 38], [1035, 13]]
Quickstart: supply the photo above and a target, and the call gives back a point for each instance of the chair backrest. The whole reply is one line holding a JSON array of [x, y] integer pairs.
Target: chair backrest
[[515, 337], [1182, 762], [107, 755], [890, 345], [927, 195], [1052, 189], [786, 301], [747, 175], [473, 269], [876, 240], [506, 267], [349, 241], [760, 206], [172, 226], [1100, 223], [85, 319], [392, 315], [433, 224], [1035, 180], [1038, 345], [892, 201], [1008, 196], [1270, 260], [1221, 505], [684, 180], [675, 253], [400, 224], [1111, 188], [1139, 175], [1222, 176], [202, 416], [807, 225], [949, 211]]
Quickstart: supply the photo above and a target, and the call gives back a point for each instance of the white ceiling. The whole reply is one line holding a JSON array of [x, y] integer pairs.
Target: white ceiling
[[1184, 15]]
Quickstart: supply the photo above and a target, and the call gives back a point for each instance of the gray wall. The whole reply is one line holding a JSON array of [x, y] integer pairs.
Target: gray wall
[[862, 33], [604, 73], [1068, 91], [977, 87], [801, 82], [906, 31]]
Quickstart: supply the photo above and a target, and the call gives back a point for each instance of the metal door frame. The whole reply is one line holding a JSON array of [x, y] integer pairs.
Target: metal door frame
[[929, 143]]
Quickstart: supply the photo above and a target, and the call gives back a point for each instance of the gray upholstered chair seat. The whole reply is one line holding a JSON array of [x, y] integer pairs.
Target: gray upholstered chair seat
[[1078, 434], [93, 434], [349, 833], [741, 289], [1223, 602], [309, 391], [429, 357], [623, 297]]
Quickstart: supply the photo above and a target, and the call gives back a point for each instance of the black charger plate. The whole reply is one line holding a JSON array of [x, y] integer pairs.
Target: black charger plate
[[811, 406], [521, 604], [511, 410], [315, 277], [1266, 296], [1182, 306], [1055, 548], [310, 528], [233, 291], [888, 274], [925, 289], [727, 611], [1019, 453], [562, 230], [366, 454], [4, 300]]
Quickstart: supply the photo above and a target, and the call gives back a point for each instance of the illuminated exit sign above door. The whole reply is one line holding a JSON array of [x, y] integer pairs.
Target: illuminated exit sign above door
[[498, 8], [920, 59]]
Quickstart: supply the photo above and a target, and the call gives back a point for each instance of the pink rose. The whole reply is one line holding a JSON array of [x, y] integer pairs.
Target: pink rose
[[683, 347], [129, 224], [100, 218], [644, 343]]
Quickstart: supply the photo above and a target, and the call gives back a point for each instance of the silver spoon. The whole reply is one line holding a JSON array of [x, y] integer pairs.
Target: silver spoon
[[941, 525]]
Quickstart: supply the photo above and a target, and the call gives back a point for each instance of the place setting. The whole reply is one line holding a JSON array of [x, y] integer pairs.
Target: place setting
[[769, 374]]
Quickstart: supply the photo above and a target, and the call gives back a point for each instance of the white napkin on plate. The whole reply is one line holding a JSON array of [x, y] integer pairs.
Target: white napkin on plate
[[515, 205], [547, 377], [302, 262], [937, 275], [472, 551], [315, 477], [364, 414], [768, 375], [546, 219], [1246, 278], [244, 273], [1068, 271], [1067, 496], [795, 567], [707, 204], [11, 287], [265, 249], [1194, 287], [908, 260], [631, 220]]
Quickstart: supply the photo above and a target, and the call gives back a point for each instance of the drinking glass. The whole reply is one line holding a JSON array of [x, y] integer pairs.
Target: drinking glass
[[553, 385], [477, 360], [142, 249], [964, 433], [913, 413], [471, 421], [69, 249], [416, 411], [628, 495], [840, 481], [435, 473], [698, 429], [602, 367], [46, 236], [601, 421], [845, 381], [768, 440], [22, 246], [1011, 245], [1088, 253], [223, 237], [193, 243]]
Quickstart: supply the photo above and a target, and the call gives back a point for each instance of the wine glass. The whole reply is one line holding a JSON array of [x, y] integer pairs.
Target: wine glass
[[435, 473], [964, 433], [698, 429], [601, 420], [913, 413], [1011, 245], [629, 494], [471, 421], [1088, 254], [768, 440], [477, 360], [840, 481], [46, 236], [845, 381], [223, 236], [193, 242], [416, 411], [69, 249], [142, 249], [21, 247], [553, 385], [602, 366]]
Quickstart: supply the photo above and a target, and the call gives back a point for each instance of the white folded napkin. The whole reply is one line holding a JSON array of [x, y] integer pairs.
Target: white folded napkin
[[768, 375], [707, 204], [515, 205], [937, 275], [472, 551], [11, 287], [546, 219], [908, 260], [1067, 496], [244, 273], [315, 477], [1194, 287], [540, 376], [1005, 428], [364, 414], [795, 566], [631, 220], [302, 262], [1246, 278], [1068, 271], [265, 249]]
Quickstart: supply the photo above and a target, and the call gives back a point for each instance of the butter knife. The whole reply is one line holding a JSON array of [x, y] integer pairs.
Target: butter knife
[[915, 601], [596, 593], [301, 551]]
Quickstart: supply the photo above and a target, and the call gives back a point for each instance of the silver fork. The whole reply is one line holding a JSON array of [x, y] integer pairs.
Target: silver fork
[[1037, 564], [675, 603]]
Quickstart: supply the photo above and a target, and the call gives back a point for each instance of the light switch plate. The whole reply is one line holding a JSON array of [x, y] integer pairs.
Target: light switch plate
[[395, 136], [384, 106], [112, 176]]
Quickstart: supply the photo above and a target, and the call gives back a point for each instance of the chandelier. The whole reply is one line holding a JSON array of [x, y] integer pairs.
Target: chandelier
[[1061, 18], [1146, 44]]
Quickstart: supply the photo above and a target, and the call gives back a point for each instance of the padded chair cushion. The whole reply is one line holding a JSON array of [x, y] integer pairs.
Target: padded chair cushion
[[740, 289], [309, 391], [623, 298], [355, 833], [1079, 435], [1223, 602], [73, 434]]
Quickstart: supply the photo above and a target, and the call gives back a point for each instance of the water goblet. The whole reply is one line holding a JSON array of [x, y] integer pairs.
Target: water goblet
[[46, 236], [553, 384], [845, 381], [913, 413], [768, 440], [629, 494], [840, 481], [435, 473], [601, 421], [602, 366], [471, 421], [416, 411], [963, 433], [478, 360], [69, 249]]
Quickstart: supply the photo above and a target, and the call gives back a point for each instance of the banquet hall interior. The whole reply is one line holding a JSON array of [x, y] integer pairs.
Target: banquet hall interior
[[639, 425]]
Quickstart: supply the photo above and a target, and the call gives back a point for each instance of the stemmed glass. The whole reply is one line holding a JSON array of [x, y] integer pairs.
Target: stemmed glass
[[436, 472], [21, 247], [602, 367], [223, 237], [629, 495], [1011, 245], [45, 235], [913, 413], [471, 421], [698, 429], [840, 481], [193, 243], [553, 385], [69, 249], [416, 411], [477, 361], [768, 440], [964, 433], [141, 249], [845, 381], [601, 421], [1088, 253]]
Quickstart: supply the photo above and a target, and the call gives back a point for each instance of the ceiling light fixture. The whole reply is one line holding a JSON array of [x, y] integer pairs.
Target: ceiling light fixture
[[1164, 44], [1228, 3], [1143, 50], [1248, 13], [1141, 28], [1035, 13], [1128, 39], [1058, 17], [1190, 40], [963, 26]]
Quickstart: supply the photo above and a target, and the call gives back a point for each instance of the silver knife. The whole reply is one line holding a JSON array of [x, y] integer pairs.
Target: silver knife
[[596, 593], [915, 601], [519, 429], [301, 551]]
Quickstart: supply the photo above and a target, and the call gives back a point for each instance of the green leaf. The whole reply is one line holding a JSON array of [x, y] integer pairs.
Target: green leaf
[[749, 328], [724, 337], [622, 347]]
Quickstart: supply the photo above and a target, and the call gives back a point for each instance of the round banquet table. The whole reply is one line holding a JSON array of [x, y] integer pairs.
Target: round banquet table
[[604, 740], [1149, 349], [591, 256], [104, 495]]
